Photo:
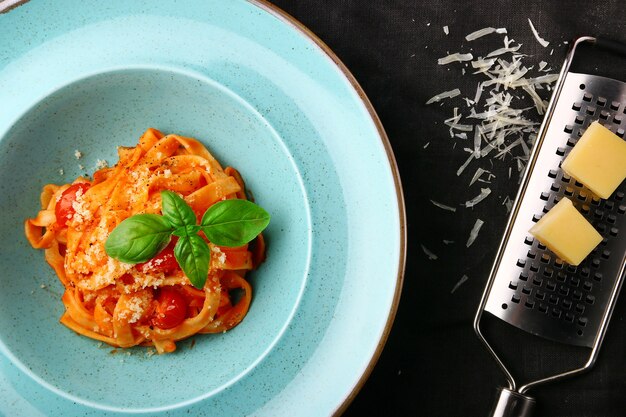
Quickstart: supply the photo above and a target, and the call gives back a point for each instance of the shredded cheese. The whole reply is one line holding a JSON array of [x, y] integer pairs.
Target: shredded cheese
[[483, 32], [446, 94], [428, 253], [443, 206], [474, 232], [459, 283], [541, 41], [456, 57]]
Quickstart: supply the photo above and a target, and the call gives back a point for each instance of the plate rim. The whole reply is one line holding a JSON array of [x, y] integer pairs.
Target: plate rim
[[393, 165]]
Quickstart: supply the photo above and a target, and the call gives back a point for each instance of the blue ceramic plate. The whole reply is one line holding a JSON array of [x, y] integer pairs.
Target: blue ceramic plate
[[264, 95]]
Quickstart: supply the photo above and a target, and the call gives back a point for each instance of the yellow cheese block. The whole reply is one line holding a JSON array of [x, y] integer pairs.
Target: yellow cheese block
[[566, 233], [598, 160]]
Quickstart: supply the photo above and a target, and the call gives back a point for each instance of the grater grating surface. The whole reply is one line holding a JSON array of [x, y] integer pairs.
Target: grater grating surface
[[533, 289]]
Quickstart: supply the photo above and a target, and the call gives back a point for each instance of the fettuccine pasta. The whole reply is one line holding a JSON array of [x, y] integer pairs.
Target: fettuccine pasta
[[153, 303]]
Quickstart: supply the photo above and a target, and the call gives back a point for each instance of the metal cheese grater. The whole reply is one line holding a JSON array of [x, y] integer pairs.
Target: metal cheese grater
[[529, 287]]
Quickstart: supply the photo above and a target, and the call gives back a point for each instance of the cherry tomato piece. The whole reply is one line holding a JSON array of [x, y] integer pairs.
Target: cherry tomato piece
[[170, 308], [64, 208], [164, 261]]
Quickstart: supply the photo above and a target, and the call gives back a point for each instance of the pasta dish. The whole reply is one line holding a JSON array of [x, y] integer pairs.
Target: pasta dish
[[150, 303]]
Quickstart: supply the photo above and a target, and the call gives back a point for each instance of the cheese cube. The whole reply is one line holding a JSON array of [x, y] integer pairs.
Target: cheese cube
[[598, 160], [566, 233]]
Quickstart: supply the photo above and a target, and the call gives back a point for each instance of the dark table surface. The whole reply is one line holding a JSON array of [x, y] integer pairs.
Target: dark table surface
[[433, 364]]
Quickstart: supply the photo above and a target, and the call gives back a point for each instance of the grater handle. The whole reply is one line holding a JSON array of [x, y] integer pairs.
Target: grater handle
[[512, 404], [611, 45]]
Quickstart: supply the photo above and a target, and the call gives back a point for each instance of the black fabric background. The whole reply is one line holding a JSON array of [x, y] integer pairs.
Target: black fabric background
[[433, 364]]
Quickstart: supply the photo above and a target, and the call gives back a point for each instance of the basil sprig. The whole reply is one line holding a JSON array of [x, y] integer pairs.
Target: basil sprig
[[229, 223]]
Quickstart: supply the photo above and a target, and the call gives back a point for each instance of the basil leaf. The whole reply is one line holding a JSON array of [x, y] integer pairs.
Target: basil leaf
[[194, 256], [186, 231], [234, 222], [176, 211], [138, 238]]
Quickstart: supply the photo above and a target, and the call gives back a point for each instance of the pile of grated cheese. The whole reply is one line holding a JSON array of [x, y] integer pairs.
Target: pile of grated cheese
[[495, 123]]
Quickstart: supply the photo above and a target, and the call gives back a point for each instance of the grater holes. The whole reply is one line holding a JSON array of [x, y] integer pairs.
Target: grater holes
[[529, 304], [540, 295], [618, 120], [601, 101], [571, 268], [591, 110], [568, 129], [582, 196], [537, 281], [587, 286], [553, 299], [571, 142], [614, 105], [586, 97], [621, 209], [579, 120], [545, 259], [590, 299], [569, 191], [531, 254], [567, 304], [558, 263], [595, 263], [580, 308], [565, 177], [575, 281], [536, 217], [534, 267], [578, 184], [513, 285], [597, 276], [595, 201], [552, 173], [556, 313], [550, 286], [585, 209], [577, 106], [611, 218], [582, 321], [542, 308], [604, 242], [561, 277], [598, 214], [608, 204], [619, 196], [541, 246], [521, 263], [601, 228], [523, 276], [528, 240], [563, 290], [569, 317], [545, 196], [516, 299], [620, 133], [577, 295], [560, 151], [604, 115]]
